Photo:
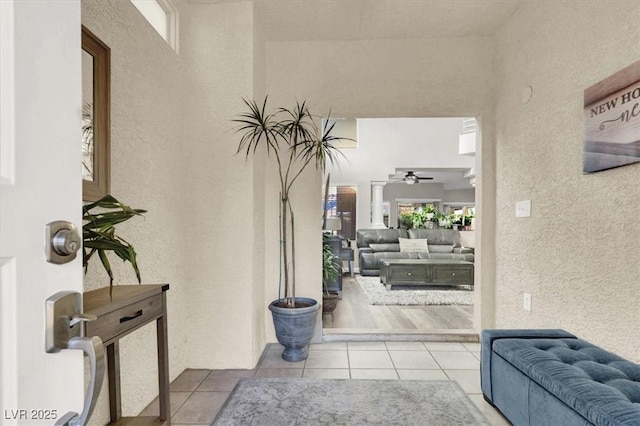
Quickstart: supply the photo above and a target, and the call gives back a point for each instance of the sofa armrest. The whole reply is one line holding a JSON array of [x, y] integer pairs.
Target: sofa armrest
[[362, 250], [487, 337]]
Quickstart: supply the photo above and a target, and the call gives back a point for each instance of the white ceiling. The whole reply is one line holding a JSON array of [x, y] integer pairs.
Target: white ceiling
[[379, 19]]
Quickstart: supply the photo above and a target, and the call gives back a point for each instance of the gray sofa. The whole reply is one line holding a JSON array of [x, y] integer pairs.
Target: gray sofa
[[551, 377], [374, 245]]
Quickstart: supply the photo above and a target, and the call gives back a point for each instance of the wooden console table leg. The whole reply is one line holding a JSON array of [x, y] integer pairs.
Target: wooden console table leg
[[113, 367], [163, 364]]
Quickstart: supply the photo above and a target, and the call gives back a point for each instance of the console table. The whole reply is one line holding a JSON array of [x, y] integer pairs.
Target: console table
[[426, 272], [129, 308]]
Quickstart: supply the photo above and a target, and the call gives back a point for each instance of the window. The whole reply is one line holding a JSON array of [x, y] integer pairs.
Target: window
[[162, 17]]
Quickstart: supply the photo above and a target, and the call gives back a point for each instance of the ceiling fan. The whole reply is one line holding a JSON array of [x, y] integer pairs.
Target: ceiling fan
[[410, 178]]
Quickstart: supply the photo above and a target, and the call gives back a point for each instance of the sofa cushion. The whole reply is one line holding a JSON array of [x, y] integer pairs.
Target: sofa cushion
[[364, 237], [413, 245], [384, 247], [440, 248], [437, 236], [601, 386]]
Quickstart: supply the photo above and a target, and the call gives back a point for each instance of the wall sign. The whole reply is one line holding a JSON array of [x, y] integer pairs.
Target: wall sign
[[612, 121]]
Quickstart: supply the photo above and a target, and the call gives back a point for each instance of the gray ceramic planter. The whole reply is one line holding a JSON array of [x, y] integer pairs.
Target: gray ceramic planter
[[295, 327]]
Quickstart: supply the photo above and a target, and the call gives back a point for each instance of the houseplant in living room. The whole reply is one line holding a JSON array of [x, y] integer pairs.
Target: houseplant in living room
[[99, 234], [293, 139], [330, 271]]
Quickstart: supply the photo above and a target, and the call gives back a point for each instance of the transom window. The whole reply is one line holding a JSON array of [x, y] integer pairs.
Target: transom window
[[162, 17]]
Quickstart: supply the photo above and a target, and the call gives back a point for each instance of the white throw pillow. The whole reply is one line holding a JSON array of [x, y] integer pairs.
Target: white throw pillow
[[415, 245]]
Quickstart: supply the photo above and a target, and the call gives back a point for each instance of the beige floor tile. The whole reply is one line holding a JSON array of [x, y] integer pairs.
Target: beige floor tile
[[491, 413], [405, 346], [476, 354], [374, 374], [176, 399], [472, 347], [327, 359], [370, 359], [456, 360], [422, 375], [277, 373], [329, 346], [273, 359], [275, 347], [445, 346], [367, 346], [415, 360], [201, 407], [223, 380], [189, 380], [469, 380], [326, 373]]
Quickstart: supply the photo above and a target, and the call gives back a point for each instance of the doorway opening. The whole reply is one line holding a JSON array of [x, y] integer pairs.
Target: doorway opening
[[426, 168]]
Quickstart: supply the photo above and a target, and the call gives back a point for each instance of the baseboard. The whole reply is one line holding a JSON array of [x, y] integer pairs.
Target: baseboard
[[367, 335]]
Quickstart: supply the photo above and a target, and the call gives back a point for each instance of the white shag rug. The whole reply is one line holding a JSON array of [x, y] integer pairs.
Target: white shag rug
[[378, 294]]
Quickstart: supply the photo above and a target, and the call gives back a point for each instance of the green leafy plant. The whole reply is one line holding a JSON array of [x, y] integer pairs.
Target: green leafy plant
[[467, 219], [295, 141], [418, 218], [99, 233], [405, 221], [330, 269]]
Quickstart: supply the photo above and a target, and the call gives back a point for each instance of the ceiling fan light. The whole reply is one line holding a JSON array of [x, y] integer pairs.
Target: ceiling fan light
[[411, 179]]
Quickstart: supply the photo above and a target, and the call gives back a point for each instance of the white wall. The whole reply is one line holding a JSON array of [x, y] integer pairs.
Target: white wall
[[148, 170], [578, 253], [173, 154], [225, 219]]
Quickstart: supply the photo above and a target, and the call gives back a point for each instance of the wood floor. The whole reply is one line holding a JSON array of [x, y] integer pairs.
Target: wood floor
[[355, 313]]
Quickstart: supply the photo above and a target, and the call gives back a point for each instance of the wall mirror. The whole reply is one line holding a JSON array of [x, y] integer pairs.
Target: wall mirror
[[96, 124]]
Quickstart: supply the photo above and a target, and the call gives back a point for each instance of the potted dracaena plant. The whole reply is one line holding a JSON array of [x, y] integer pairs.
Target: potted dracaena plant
[[99, 234], [293, 139]]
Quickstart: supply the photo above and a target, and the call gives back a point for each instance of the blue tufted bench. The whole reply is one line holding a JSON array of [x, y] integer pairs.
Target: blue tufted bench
[[551, 377]]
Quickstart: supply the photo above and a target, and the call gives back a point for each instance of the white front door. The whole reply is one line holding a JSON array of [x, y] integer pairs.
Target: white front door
[[40, 181]]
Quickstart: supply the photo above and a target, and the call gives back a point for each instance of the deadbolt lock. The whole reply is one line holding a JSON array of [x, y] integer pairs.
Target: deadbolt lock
[[62, 241]]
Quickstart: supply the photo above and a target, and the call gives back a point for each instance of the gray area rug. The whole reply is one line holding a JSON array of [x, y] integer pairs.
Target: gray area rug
[[275, 402], [378, 294]]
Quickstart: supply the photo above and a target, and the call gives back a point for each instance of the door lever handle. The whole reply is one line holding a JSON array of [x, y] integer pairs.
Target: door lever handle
[[78, 318], [63, 311], [93, 348]]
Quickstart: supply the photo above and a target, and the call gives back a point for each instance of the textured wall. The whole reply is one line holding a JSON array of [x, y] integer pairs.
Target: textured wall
[[226, 266], [394, 78], [578, 254], [148, 169]]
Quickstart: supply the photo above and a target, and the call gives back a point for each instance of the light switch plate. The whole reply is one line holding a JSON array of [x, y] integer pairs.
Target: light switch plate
[[526, 302], [523, 208]]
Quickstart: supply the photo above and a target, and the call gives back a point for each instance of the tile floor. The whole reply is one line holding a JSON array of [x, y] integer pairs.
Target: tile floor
[[197, 395]]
